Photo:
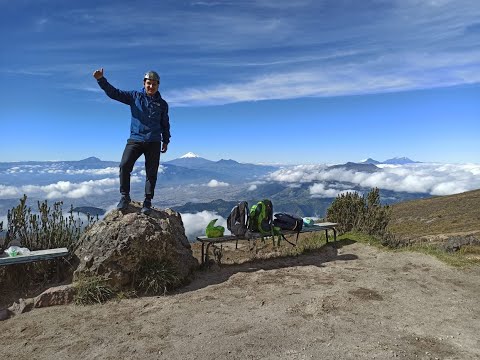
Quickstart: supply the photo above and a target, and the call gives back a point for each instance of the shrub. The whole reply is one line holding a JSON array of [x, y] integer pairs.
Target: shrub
[[359, 213], [46, 229], [155, 277]]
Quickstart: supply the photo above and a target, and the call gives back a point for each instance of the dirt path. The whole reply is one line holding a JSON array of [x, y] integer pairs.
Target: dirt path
[[356, 302]]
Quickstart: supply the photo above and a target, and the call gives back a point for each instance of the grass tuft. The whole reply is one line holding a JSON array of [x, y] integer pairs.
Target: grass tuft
[[92, 290], [156, 277]]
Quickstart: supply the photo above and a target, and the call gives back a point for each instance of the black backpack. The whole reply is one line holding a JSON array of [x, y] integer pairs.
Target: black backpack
[[288, 222], [238, 219]]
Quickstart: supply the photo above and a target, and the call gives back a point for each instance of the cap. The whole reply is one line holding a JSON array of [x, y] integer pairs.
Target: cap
[[151, 75]]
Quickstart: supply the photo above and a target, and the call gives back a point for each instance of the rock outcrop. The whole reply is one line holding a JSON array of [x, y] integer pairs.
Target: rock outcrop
[[116, 246]]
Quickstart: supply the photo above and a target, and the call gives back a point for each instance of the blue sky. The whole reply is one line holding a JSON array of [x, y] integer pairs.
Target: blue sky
[[258, 81]]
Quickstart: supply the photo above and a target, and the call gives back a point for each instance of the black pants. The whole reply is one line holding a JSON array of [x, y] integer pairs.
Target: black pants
[[133, 150]]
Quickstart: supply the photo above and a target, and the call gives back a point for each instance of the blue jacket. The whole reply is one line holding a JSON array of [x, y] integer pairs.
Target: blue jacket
[[150, 121]]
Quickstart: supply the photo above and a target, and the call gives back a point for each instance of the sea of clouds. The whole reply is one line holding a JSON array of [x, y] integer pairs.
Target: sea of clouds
[[429, 178]]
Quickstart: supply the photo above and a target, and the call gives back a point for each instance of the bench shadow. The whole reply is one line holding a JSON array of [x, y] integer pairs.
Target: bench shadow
[[213, 274], [28, 280]]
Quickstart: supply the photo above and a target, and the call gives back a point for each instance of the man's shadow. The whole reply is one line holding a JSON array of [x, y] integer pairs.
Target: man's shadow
[[217, 274]]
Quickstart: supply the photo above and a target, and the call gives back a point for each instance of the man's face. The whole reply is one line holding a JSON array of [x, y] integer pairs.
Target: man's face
[[151, 86]]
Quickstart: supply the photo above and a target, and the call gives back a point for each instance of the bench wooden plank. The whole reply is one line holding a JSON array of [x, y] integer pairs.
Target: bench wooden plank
[[306, 229], [326, 224], [37, 255]]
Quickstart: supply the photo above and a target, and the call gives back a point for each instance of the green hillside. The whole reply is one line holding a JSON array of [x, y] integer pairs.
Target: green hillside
[[441, 215]]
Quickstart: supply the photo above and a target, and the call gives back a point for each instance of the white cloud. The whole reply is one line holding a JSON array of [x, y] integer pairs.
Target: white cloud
[[195, 224], [142, 172], [252, 187], [319, 190], [59, 168], [8, 191], [64, 189], [104, 171], [215, 183], [435, 179]]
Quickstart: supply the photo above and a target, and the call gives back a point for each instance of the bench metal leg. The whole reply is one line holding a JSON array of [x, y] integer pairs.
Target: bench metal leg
[[206, 252], [57, 263], [203, 252]]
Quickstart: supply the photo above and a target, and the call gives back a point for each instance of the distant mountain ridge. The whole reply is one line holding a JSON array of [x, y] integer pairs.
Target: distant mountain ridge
[[370, 161], [361, 167], [393, 161], [236, 171]]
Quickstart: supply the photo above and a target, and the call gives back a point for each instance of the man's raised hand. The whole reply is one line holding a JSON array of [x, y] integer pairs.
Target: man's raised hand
[[98, 74]]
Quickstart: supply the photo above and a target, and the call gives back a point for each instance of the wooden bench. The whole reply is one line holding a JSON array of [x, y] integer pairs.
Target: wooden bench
[[326, 226], [38, 255]]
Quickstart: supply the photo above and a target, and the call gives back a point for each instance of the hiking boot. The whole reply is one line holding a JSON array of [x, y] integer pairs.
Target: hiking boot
[[147, 207], [123, 203]]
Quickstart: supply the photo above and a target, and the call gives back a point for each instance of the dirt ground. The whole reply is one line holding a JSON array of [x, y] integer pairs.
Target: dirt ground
[[349, 302]]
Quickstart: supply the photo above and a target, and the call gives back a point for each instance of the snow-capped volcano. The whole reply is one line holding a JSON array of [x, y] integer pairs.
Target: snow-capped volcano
[[189, 155]]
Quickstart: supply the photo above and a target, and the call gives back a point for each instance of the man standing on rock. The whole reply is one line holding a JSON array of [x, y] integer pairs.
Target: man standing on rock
[[149, 133]]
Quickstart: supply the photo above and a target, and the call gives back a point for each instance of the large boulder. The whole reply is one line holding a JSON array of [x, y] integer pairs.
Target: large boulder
[[116, 247]]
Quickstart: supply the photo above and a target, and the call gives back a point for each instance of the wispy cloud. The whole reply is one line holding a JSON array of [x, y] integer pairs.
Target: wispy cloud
[[260, 50], [40, 24], [434, 179], [384, 74]]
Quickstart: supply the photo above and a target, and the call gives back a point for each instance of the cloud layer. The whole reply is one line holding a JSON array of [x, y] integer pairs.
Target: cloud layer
[[63, 189], [434, 179]]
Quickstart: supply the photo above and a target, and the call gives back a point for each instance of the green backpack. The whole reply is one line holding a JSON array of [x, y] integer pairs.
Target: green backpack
[[261, 217], [261, 221]]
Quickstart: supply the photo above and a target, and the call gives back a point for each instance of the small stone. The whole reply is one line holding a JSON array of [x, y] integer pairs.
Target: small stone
[[59, 295], [21, 306]]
